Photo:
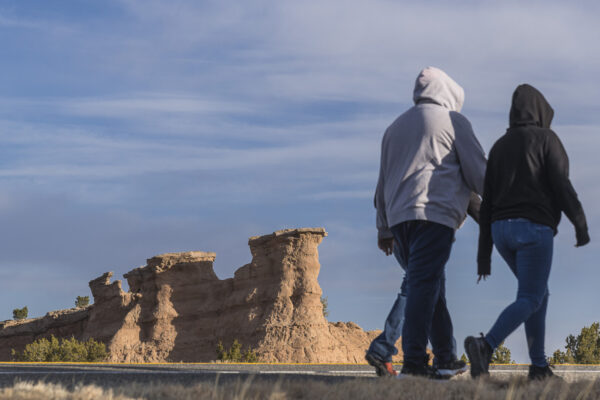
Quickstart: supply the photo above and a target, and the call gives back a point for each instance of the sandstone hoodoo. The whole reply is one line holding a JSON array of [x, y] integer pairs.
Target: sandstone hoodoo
[[177, 309]]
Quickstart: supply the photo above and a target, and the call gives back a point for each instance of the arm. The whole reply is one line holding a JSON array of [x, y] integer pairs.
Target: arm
[[557, 169], [473, 167], [484, 252], [385, 238], [470, 154]]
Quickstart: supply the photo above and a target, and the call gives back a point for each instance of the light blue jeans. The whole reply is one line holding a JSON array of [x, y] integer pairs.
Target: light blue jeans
[[527, 249], [384, 345]]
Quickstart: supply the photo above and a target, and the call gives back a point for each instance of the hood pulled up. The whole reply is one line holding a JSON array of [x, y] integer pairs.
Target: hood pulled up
[[529, 107], [435, 86]]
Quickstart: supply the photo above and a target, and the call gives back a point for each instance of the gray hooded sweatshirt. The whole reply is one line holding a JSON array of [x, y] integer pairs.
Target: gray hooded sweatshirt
[[431, 160]]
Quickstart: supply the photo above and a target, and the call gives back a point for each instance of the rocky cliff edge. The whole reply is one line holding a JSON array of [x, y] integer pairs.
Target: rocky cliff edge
[[177, 309]]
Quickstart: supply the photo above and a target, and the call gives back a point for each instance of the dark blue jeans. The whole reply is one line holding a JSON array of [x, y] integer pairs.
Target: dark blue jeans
[[423, 249], [527, 249], [384, 345]]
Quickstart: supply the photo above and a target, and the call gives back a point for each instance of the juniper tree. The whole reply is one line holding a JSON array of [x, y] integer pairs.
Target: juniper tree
[[82, 301], [502, 355], [20, 313], [582, 349]]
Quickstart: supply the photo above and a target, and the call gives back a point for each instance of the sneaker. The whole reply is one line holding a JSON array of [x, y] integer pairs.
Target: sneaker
[[382, 368], [452, 368], [540, 373], [480, 355], [423, 370]]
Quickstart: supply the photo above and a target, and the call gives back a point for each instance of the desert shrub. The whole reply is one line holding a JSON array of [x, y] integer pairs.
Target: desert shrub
[[20, 313], [502, 355], [96, 351], [581, 349], [235, 353], [82, 301], [562, 357], [53, 349], [221, 352], [250, 356]]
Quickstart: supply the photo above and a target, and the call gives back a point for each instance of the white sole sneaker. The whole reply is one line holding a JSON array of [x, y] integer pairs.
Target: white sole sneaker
[[449, 373]]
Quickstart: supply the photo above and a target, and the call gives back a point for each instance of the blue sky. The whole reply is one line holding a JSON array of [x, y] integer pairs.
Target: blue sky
[[131, 128]]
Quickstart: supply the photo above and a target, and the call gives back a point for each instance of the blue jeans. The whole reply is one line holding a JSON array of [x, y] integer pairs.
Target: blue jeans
[[423, 249], [384, 345], [527, 249]]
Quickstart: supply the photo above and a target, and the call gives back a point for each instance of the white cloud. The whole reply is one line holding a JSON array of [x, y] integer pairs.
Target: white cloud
[[259, 115], [151, 105]]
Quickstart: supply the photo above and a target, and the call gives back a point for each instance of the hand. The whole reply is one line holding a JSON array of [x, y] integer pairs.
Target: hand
[[386, 245], [484, 277], [583, 238], [474, 206]]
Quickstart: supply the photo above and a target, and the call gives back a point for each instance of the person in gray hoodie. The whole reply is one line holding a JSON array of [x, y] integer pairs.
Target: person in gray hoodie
[[431, 167]]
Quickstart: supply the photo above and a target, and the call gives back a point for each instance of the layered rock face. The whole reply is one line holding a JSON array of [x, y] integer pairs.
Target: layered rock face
[[177, 309]]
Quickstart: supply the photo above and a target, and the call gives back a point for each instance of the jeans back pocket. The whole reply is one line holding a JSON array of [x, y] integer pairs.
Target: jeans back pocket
[[525, 233]]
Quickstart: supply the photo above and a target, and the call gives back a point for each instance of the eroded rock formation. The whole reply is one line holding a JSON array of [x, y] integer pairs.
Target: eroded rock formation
[[177, 309]]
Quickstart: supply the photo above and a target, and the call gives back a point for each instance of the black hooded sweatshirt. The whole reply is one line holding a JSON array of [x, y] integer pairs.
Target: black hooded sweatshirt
[[527, 175]]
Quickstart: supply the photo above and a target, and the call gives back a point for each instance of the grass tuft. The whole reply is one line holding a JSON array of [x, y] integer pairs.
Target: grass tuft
[[517, 388]]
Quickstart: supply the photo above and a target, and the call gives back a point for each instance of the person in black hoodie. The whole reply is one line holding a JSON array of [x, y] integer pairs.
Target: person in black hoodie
[[526, 188]]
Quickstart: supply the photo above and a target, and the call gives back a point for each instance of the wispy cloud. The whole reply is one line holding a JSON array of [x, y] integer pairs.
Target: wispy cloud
[[6, 22], [147, 105], [183, 124]]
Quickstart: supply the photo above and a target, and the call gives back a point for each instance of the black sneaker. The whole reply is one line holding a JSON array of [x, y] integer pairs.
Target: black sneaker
[[423, 370], [452, 368], [540, 373], [480, 355], [382, 368]]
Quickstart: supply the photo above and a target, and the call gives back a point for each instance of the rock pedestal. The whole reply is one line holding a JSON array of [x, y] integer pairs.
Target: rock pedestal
[[177, 309]]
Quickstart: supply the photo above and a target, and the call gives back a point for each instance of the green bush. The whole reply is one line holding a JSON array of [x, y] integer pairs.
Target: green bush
[[53, 349], [502, 355], [20, 313], [235, 353], [562, 357], [82, 301], [581, 349], [250, 356]]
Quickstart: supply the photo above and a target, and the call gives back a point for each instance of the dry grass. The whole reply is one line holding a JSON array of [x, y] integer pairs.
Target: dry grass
[[417, 389], [48, 391]]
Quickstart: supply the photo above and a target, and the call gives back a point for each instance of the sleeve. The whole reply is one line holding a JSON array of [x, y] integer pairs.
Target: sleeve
[[383, 230], [470, 153], [557, 169], [484, 252], [474, 207]]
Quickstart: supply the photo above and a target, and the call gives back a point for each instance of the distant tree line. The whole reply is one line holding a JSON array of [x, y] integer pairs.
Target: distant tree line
[[581, 349]]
